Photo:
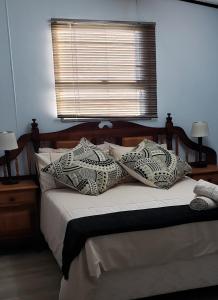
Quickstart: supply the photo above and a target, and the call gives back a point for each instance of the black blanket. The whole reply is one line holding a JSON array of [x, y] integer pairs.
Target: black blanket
[[79, 230]]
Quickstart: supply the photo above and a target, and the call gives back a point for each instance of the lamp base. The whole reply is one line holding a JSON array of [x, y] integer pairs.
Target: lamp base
[[10, 181], [199, 164]]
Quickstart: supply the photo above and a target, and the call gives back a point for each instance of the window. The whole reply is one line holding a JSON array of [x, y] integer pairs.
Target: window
[[104, 69]]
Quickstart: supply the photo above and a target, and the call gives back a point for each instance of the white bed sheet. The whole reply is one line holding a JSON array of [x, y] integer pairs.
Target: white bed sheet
[[125, 251], [137, 283], [135, 264]]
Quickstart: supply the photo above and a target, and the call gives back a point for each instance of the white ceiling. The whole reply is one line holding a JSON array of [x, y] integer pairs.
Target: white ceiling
[[209, 1]]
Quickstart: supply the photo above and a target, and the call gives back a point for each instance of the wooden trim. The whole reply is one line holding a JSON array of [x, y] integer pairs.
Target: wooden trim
[[210, 169], [23, 177], [94, 133], [119, 130], [57, 20], [201, 3], [211, 156], [35, 135], [17, 166], [20, 186]]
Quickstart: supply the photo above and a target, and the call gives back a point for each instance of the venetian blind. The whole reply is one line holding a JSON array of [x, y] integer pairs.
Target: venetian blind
[[104, 69]]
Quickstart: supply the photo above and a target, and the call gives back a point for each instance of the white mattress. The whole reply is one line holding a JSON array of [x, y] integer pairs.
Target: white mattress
[[133, 249]]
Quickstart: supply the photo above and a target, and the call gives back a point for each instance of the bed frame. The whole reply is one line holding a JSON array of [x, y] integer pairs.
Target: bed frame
[[119, 132], [127, 134]]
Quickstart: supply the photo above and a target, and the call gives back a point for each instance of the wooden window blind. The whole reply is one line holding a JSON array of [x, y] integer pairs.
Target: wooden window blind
[[104, 69]]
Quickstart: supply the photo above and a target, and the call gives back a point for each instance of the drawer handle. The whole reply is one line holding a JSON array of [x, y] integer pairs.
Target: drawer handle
[[12, 199]]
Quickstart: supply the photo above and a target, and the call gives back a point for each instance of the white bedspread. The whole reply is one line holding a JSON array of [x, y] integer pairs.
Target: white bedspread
[[133, 249]]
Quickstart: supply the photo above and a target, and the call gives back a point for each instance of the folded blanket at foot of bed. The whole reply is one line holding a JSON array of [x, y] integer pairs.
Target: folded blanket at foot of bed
[[79, 230]]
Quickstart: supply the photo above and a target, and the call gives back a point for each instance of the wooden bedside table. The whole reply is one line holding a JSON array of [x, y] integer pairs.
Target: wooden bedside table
[[210, 173], [18, 213]]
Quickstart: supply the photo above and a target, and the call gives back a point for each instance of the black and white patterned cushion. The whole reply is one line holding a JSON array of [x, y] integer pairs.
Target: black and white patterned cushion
[[86, 169], [154, 165]]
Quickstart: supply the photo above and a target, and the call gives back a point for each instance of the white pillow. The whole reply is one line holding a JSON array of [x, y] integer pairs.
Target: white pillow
[[116, 151], [47, 182], [52, 150], [104, 147]]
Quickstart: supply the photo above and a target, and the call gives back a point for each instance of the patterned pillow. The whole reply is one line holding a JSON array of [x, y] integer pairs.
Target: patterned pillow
[[86, 169], [154, 165]]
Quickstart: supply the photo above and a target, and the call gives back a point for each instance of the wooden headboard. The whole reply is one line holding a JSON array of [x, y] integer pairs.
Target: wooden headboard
[[122, 133]]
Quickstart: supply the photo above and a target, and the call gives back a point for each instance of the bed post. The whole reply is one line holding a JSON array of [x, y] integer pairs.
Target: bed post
[[169, 131], [35, 135]]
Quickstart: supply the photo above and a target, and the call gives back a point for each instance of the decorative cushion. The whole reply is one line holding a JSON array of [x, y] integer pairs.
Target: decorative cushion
[[117, 151], [154, 165], [49, 155], [86, 169]]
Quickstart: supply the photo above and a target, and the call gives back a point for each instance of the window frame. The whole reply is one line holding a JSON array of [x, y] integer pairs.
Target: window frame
[[69, 117]]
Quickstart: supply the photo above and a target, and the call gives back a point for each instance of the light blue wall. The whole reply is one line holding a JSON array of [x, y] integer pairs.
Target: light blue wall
[[187, 58], [7, 108]]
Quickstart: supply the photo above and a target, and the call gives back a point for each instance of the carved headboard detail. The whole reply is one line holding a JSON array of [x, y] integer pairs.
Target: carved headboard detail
[[122, 132]]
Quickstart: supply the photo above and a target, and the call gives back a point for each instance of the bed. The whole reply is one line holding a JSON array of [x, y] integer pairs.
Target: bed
[[154, 261], [136, 264]]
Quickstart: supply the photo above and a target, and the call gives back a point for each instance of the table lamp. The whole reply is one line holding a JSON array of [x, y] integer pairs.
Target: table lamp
[[199, 130], [8, 142]]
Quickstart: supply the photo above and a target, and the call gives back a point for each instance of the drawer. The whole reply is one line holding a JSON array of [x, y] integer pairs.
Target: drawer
[[17, 223], [213, 178], [17, 198]]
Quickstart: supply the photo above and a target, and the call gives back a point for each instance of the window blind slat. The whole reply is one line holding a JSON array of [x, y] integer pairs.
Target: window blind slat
[[104, 69]]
